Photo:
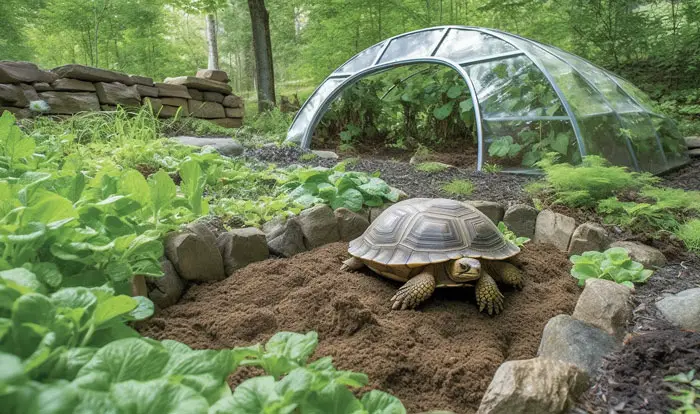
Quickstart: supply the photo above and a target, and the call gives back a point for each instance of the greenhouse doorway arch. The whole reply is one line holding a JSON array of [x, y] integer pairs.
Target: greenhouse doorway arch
[[529, 99]]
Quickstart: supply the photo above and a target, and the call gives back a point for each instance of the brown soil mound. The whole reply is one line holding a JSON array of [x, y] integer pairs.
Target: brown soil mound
[[441, 356]]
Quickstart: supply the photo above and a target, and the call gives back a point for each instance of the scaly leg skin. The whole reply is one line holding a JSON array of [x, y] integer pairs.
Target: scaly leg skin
[[413, 292], [352, 263], [507, 273], [487, 295]]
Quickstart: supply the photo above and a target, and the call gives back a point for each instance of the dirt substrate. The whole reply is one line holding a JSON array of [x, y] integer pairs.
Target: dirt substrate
[[441, 356]]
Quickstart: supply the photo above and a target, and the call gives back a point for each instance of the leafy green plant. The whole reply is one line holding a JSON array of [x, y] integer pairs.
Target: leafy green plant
[[491, 168], [687, 393], [640, 217], [459, 187], [510, 236], [432, 167], [309, 156], [613, 264], [690, 234]]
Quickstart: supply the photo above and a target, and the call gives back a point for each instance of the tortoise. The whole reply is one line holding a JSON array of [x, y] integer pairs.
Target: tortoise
[[437, 242]]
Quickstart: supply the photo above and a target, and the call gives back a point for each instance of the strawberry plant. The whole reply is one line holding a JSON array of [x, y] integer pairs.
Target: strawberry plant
[[613, 264]]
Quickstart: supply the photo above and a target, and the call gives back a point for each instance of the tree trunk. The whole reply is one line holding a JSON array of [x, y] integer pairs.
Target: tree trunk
[[262, 46], [211, 42]]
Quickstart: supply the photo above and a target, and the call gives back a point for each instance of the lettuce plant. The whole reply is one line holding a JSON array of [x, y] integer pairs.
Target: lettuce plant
[[613, 264]]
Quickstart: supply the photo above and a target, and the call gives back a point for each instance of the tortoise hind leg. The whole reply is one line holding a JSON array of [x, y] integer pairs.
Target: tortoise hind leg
[[506, 272], [416, 290], [487, 295], [352, 263]]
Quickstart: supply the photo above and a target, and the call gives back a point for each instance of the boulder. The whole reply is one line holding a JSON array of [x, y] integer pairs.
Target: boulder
[[23, 72], [235, 113], [200, 84], [177, 103], [29, 92], [166, 291], [521, 219], [554, 228], [108, 108], [12, 95], [319, 226], [587, 237], [213, 74], [70, 102], [695, 152], [605, 305], [682, 309], [141, 80], [240, 247], [173, 91], [117, 94], [374, 212], [195, 94], [232, 101], [692, 142], [88, 73], [227, 122], [201, 229], [213, 97], [226, 146], [156, 104], [19, 113], [194, 258], [646, 255], [329, 155], [570, 340], [72, 85], [491, 209], [42, 87], [207, 110], [536, 385], [150, 91], [167, 111], [351, 225], [284, 237]]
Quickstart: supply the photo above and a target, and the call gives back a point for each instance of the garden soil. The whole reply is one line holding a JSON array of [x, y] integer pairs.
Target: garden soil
[[440, 356]]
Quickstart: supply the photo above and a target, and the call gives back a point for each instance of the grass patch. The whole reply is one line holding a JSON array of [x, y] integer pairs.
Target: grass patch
[[491, 168], [690, 234], [459, 187], [308, 156], [432, 167]]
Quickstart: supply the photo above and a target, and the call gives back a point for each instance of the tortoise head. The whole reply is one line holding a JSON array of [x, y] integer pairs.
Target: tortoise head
[[466, 269]]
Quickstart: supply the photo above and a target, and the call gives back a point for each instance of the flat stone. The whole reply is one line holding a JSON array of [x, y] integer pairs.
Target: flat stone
[[492, 210], [150, 91], [588, 237], [167, 290], [234, 112], [69, 103], [19, 113], [178, 103], [284, 237], [682, 309], [193, 257], [695, 152], [201, 229], [240, 247], [319, 226], [570, 340], [42, 87], [167, 111], [108, 108], [555, 229], [72, 85], [141, 80], [213, 97], [351, 225], [232, 101], [692, 142], [195, 94], [227, 122], [200, 84], [155, 103], [23, 72], [648, 256], [213, 74], [536, 385], [226, 146], [12, 95], [173, 91], [88, 73], [521, 220], [29, 92], [605, 305], [329, 155], [117, 94], [207, 110]]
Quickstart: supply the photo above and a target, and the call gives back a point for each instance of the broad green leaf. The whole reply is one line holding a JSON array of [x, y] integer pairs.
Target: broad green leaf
[[12, 371], [157, 396], [119, 271], [466, 105], [375, 187], [113, 307], [296, 346], [143, 310], [333, 399], [350, 199], [134, 185], [163, 191], [48, 273], [295, 384], [454, 91], [378, 402], [70, 362], [22, 278], [47, 208], [14, 144], [37, 398], [561, 143], [192, 185], [443, 111], [253, 396]]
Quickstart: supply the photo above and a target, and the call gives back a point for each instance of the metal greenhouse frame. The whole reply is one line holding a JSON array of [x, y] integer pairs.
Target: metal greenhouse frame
[[589, 97]]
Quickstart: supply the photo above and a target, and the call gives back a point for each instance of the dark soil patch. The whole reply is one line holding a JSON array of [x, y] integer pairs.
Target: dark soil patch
[[687, 178], [441, 356]]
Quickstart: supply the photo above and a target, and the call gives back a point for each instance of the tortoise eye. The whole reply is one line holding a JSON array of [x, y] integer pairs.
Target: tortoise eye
[[464, 266]]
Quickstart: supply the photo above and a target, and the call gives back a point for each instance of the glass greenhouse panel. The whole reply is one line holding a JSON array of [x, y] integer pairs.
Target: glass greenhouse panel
[[413, 45], [640, 131], [672, 141], [513, 87], [636, 93], [520, 144], [305, 115], [461, 45], [602, 136], [363, 59]]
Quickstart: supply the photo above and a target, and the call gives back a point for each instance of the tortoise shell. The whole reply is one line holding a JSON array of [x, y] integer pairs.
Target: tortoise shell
[[420, 231]]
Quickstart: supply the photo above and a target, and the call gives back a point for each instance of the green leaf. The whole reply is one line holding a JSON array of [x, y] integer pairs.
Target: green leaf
[[454, 91], [252, 396], [296, 346], [134, 185], [23, 279], [466, 105], [163, 191], [14, 144], [193, 181], [350, 199], [48, 273], [143, 310], [332, 399], [48, 208], [70, 362], [114, 307], [157, 396], [295, 384], [378, 402], [443, 111], [561, 143]]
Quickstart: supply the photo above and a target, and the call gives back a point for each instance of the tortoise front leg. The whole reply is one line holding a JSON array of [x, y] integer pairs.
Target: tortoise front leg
[[505, 272], [487, 294], [419, 288]]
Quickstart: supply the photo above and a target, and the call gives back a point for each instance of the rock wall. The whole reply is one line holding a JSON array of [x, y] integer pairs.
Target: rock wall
[[70, 89]]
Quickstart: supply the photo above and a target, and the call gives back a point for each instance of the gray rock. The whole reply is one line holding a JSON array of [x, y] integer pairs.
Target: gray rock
[[88, 73], [195, 94], [23, 72], [141, 80], [166, 291], [42, 87], [68, 103], [234, 112], [150, 91], [212, 74], [492, 210], [213, 97], [319, 226], [605, 305], [201, 109], [532, 386], [177, 103], [692, 142], [227, 122], [19, 113], [12, 95], [193, 257], [117, 94], [201, 229], [554, 228], [695, 152], [587, 237], [173, 91], [155, 103], [284, 237], [226, 146], [374, 212], [329, 155], [351, 225], [167, 111], [521, 219], [29, 92], [232, 101], [240, 247], [646, 255], [72, 85], [682, 309], [570, 340], [200, 84]]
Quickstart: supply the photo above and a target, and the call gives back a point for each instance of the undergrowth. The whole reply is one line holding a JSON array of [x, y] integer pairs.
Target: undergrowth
[[690, 234], [459, 187], [432, 167]]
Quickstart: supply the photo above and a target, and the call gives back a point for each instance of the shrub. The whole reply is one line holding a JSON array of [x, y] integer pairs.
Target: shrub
[[613, 264], [459, 187], [432, 167], [638, 217], [690, 234]]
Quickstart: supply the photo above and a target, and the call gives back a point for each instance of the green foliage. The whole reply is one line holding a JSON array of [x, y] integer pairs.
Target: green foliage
[[613, 264], [459, 187], [432, 167], [638, 217], [690, 234], [687, 393], [510, 236], [308, 156], [491, 168]]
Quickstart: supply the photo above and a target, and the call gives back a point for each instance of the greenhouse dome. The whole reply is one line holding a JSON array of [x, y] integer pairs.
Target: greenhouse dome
[[528, 99]]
